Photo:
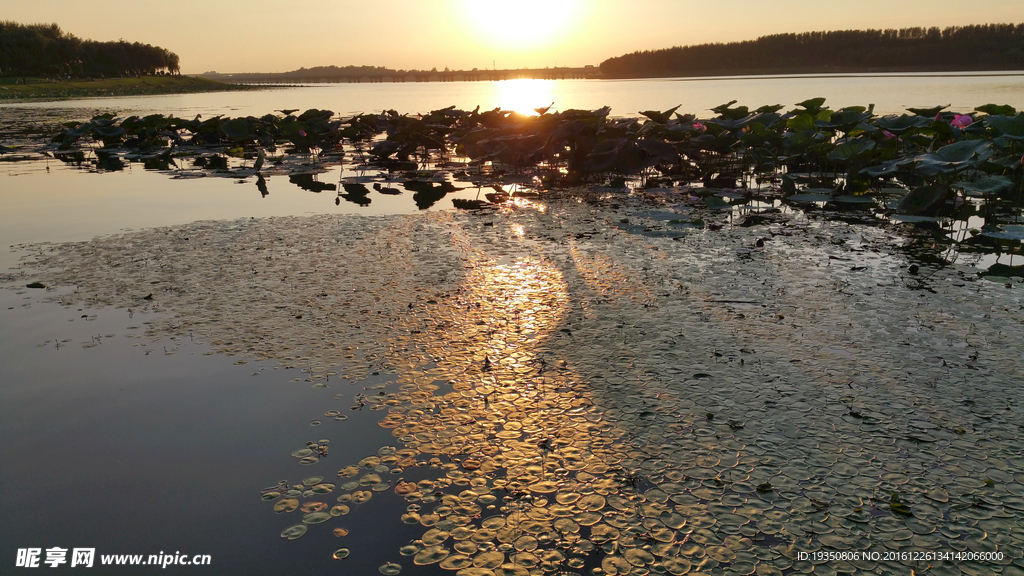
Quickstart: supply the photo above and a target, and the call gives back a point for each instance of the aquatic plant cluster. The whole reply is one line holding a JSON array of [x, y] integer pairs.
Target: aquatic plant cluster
[[850, 151], [923, 166], [564, 396]]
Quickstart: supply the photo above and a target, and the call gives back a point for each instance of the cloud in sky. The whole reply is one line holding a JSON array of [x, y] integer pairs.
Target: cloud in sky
[[276, 36]]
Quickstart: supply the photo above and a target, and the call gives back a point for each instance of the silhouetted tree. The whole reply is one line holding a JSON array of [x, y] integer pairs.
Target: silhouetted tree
[[43, 49], [979, 47]]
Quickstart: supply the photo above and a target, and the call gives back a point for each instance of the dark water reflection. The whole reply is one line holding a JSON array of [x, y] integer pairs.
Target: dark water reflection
[[138, 447], [51, 201]]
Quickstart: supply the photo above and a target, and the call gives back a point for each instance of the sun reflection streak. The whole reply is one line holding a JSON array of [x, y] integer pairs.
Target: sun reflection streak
[[523, 95], [523, 303], [517, 203]]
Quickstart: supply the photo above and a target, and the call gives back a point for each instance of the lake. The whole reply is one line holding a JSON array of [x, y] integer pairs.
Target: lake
[[890, 93], [44, 202], [270, 379]]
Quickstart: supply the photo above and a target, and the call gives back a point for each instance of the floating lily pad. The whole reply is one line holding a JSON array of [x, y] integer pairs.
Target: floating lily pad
[[659, 215], [489, 560], [316, 517], [293, 532], [434, 537], [313, 507], [431, 555], [807, 198], [286, 505], [456, 562], [853, 199], [1006, 232]]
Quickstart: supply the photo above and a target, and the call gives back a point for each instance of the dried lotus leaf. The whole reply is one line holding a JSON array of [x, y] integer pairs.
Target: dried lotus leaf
[[615, 565], [474, 571], [434, 537], [456, 562], [591, 502], [286, 505], [313, 507], [489, 560], [431, 555]]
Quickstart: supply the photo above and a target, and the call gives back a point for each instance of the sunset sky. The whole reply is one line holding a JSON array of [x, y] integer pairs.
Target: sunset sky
[[277, 36]]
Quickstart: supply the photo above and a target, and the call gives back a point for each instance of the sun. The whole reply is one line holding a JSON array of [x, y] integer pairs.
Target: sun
[[523, 23]]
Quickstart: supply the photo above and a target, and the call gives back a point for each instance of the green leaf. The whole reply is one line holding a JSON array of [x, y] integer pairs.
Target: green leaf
[[924, 201], [1011, 126], [661, 117], [237, 129], [1003, 109], [992, 185], [928, 113], [813, 105], [851, 149], [800, 122], [723, 107], [966, 150], [900, 124], [715, 203], [731, 113]]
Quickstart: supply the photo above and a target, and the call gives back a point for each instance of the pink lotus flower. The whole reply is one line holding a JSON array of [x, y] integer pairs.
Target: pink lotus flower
[[699, 126], [962, 121], [938, 117], [888, 135], [302, 133]]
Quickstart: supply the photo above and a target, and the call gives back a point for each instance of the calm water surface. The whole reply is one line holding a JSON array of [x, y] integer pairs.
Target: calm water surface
[[890, 93], [139, 447], [47, 202]]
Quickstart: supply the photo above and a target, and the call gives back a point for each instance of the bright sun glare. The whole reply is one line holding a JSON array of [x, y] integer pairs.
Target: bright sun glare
[[527, 23], [524, 94]]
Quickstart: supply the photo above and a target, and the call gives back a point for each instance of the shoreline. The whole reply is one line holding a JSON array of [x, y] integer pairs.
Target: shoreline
[[44, 90]]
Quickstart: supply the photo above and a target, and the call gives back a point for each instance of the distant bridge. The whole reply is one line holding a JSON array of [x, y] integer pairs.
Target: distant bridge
[[395, 76]]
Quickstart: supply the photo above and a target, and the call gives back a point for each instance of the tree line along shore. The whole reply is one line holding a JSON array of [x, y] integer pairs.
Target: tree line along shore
[[41, 61], [958, 48]]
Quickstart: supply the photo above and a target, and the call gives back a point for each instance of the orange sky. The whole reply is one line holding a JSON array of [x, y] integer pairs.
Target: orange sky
[[276, 36]]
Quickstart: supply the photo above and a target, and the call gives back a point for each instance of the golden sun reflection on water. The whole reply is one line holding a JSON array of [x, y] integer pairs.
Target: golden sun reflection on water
[[523, 95], [518, 203], [520, 303]]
